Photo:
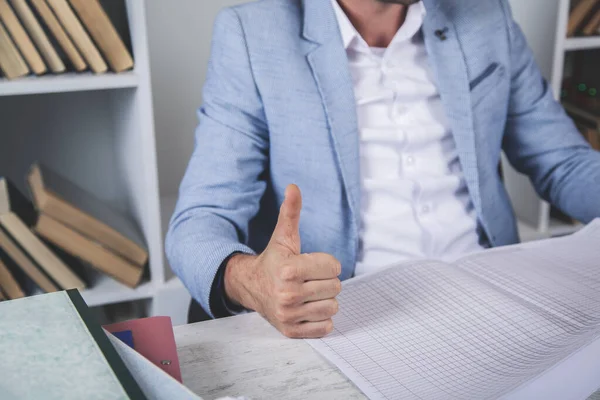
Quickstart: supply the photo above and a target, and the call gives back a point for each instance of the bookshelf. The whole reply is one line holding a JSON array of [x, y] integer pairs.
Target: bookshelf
[[581, 43], [108, 291], [98, 131], [69, 82], [544, 23]]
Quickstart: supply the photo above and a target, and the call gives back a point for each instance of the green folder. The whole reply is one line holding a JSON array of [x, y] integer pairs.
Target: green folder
[[51, 348]]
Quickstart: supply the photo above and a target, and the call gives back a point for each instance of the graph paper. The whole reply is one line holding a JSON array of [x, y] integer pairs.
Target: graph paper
[[475, 329]]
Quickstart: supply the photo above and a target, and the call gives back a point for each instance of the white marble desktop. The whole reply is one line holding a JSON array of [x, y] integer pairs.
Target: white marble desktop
[[245, 356]]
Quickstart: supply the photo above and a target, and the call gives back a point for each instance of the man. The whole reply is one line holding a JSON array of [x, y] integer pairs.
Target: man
[[390, 116]]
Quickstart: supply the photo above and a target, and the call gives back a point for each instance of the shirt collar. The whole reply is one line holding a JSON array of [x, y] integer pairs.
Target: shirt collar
[[414, 20]]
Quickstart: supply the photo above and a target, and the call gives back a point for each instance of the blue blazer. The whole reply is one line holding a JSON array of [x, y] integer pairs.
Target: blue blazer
[[279, 108]]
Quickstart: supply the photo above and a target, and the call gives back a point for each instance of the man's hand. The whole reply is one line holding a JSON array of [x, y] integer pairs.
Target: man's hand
[[295, 292]]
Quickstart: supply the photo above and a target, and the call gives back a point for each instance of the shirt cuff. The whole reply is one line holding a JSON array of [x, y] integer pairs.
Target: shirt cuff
[[220, 305]]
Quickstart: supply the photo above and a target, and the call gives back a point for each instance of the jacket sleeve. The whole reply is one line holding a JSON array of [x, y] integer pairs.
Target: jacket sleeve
[[222, 187], [542, 142]]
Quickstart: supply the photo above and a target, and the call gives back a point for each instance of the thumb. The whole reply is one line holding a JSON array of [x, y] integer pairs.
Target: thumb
[[287, 230]]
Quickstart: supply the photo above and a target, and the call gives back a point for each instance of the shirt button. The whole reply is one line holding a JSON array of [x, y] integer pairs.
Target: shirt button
[[410, 160], [425, 209]]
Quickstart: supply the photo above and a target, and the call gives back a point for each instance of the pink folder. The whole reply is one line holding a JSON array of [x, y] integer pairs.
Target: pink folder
[[153, 338]]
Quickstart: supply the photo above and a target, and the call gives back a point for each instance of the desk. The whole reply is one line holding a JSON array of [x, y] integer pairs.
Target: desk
[[244, 355]]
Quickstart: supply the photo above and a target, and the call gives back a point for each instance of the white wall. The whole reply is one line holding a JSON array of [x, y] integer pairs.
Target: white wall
[[538, 21], [179, 34]]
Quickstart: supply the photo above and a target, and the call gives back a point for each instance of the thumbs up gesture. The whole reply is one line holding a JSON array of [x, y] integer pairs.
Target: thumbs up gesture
[[295, 292]]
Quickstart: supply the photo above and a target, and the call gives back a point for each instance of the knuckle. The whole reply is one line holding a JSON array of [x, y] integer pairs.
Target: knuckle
[[282, 314], [279, 314], [279, 295], [288, 273], [290, 332], [290, 298], [286, 331]]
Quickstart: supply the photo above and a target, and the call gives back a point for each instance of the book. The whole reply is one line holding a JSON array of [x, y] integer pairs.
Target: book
[[53, 348], [15, 258], [80, 37], [60, 35], [87, 250], [590, 133], [21, 39], [81, 268], [592, 136], [578, 15], [17, 216], [155, 383], [38, 35], [26, 285], [104, 33], [516, 322], [9, 284], [125, 337], [582, 116], [11, 62], [593, 26], [69, 204], [54, 336], [153, 338]]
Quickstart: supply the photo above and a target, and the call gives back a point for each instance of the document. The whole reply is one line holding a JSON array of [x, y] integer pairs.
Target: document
[[496, 324]]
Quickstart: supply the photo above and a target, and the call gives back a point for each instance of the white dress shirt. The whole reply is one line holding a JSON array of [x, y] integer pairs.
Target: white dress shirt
[[415, 202]]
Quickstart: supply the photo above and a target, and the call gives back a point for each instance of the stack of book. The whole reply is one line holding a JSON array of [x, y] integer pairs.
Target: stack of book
[[35, 34], [48, 244], [584, 18]]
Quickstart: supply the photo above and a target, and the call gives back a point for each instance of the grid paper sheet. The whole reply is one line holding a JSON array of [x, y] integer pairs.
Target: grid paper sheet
[[476, 329]]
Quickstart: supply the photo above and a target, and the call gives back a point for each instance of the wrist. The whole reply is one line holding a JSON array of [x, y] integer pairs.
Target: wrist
[[236, 270]]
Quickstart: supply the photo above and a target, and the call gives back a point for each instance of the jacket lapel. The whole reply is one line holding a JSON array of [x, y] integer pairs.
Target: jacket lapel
[[330, 69], [450, 69]]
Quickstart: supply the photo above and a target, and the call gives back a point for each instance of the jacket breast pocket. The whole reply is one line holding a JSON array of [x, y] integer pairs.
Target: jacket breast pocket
[[483, 85]]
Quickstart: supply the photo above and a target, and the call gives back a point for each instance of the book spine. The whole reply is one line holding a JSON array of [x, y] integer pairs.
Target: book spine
[[9, 283], [38, 35], [21, 39], [59, 33], [81, 247], [592, 27], [11, 62], [578, 15], [53, 266], [104, 33], [111, 356], [11, 249], [80, 37]]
